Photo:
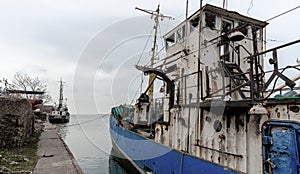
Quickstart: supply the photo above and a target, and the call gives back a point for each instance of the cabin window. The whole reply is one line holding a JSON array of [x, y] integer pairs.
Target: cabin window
[[194, 23], [210, 20], [243, 29], [224, 51], [170, 41], [226, 26]]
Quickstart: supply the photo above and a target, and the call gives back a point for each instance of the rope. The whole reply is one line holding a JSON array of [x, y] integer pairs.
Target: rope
[[78, 124]]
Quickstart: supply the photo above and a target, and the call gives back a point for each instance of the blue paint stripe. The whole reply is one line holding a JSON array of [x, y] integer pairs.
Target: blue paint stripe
[[171, 161]]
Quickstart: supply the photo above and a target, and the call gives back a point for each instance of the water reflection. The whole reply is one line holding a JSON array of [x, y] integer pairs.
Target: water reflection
[[119, 164], [115, 166], [88, 138], [62, 130]]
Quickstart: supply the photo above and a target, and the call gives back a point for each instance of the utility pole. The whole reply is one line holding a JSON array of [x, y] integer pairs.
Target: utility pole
[[157, 15]]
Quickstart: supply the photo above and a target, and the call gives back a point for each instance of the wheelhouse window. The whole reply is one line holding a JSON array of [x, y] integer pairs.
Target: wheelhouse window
[[194, 23], [226, 26], [210, 20], [243, 28], [170, 41]]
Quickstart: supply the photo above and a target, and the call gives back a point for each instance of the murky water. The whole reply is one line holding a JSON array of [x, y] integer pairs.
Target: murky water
[[88, 138]]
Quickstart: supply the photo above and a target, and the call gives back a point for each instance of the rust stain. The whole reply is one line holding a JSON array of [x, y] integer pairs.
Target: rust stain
[[278, 114], [294, 109], [214, 85]]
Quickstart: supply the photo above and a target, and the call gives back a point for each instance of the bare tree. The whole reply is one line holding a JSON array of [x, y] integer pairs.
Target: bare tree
[[25, 82], [20, 81]]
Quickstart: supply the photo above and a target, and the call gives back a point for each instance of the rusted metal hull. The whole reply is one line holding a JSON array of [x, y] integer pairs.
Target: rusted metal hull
[[149, 156]]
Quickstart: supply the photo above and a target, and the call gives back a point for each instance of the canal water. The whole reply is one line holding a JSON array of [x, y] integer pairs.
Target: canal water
[[88, 138]]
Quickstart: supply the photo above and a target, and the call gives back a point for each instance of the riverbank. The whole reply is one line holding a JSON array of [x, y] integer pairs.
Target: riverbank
[[53, 154]]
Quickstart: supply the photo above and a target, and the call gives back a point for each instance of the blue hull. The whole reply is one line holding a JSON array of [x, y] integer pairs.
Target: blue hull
[[151, 156]]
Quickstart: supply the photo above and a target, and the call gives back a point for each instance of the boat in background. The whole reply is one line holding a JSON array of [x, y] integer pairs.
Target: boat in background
[[60, 114], [217, 112]]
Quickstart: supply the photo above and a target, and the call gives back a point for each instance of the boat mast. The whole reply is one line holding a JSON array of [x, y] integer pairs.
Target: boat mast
[[152, 76], [156, 20], [61, 98]]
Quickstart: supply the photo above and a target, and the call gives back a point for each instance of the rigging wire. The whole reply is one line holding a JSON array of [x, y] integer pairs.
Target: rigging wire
[[137, 91], [283, 13], [145, 46], [274, 40], [250, 7], [190, 11], [86, 135], [156, 54], [161, 40], [88, 121]]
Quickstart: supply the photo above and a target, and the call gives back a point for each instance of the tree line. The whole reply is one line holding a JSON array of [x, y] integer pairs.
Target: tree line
[[22, 81]]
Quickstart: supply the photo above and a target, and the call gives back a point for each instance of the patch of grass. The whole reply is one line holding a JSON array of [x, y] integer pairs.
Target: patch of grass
[[20, 159]]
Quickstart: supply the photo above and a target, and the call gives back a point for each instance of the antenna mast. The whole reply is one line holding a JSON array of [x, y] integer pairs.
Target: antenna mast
[[225, 4], [61, 98], [156, 15], [187, 9]]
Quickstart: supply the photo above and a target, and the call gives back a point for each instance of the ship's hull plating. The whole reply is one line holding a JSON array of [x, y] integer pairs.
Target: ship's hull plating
[[150, 156]]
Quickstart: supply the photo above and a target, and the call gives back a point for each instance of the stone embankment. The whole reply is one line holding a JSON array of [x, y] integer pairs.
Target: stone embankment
[[28, 144], [18, 136], [16, 121]]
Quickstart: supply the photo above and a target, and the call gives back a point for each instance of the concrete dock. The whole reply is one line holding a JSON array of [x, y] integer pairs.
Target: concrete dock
[[54, 156]]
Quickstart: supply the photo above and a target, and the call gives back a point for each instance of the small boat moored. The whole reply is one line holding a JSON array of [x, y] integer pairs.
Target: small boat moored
[[61, 113], [59, 116]]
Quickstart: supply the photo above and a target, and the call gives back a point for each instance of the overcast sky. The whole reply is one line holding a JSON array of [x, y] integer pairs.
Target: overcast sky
[[93, 45]]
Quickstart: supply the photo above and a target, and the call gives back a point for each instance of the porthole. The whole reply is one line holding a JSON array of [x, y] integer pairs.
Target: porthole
[[217, 126]]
